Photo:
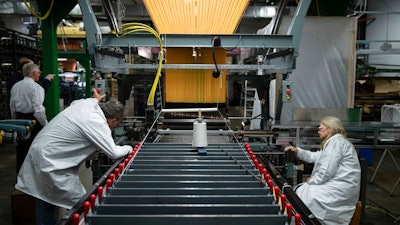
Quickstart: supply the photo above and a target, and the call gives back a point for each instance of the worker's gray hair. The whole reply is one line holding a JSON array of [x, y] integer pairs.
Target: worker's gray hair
[[29, 68], [112, 109]]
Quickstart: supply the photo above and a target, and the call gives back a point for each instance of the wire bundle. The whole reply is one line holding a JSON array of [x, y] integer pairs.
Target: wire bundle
[[133, 27]]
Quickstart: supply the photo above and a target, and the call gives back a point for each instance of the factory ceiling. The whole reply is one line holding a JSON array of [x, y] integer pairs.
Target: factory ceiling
[[255, 17], [134, 10]]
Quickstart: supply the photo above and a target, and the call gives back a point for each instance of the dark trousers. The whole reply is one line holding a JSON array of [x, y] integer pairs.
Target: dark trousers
[[45, 213], [24, 145]]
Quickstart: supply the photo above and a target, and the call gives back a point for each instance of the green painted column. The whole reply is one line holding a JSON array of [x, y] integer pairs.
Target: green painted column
[[50, 66], [59, 10]]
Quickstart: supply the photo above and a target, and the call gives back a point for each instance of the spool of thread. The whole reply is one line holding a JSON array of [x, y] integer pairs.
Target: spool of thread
[[199, 133]]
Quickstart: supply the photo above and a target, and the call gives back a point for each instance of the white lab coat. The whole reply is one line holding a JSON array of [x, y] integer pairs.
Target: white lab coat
[[50, 170], [332, 192], [27, 96]]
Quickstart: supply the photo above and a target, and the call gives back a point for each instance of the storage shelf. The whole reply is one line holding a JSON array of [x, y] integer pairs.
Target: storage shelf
[[14, 45]]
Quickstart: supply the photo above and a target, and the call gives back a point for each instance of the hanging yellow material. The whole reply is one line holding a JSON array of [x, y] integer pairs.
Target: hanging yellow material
[[194, 85], [196, 16]]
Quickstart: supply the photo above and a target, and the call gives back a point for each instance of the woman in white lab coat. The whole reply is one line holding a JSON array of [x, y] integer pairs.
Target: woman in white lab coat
[[50, 170], [332, 191]]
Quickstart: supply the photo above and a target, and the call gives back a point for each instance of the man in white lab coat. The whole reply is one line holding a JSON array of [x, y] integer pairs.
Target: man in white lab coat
[[50, 170], [332, 191], [26, 102]]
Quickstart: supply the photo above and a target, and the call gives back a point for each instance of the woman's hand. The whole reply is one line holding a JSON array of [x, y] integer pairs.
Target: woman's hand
[[291, 148]]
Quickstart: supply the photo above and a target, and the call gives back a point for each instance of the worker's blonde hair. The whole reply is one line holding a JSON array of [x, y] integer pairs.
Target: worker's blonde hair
[[335, 125]]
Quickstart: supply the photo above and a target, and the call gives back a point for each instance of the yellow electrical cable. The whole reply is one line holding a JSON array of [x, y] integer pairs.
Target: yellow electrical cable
[[1, 137], [133, 27], [319, 14], [35, 14]]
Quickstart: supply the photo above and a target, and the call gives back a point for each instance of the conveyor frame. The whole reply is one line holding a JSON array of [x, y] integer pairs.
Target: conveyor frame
[[195, 194]]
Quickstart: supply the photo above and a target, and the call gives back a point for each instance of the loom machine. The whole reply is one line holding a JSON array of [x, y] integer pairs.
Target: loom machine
[[187, 166], [197, 176]]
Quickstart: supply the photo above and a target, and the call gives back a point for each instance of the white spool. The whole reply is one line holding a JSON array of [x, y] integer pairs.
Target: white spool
[[199, 133]]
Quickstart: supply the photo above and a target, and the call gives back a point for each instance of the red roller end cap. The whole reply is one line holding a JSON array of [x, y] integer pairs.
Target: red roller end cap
[[277, 195], [283, 201], [130, 156], [100, 192], [270, 185], [108, 184], [117, 172], [92, 200], [111, 177], [297, 219], [289, 210], [256, 162], [86, 207], [76, 218], [264, 171], [126, 161]]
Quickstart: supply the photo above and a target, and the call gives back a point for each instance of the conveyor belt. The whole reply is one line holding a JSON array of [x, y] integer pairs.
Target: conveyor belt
[[171, 184]]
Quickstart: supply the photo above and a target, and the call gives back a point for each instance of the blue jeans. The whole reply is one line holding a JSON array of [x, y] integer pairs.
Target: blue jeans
[[45, 213]]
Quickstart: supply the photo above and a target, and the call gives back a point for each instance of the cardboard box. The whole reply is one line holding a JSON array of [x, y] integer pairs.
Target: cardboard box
[[114, 87]]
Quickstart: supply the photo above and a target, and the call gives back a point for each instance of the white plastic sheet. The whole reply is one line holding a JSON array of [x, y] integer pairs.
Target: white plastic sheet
[[325, 68]]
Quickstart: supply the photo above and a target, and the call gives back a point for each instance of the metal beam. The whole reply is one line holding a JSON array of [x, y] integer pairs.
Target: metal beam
[[296, 26], [91, 26], [278, 65], [198, 40]]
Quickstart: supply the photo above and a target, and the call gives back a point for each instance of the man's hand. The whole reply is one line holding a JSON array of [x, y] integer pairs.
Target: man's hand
[[50, 77], [97, 95], [291, 148]]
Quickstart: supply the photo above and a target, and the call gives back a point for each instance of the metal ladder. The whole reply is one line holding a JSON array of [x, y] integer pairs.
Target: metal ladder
[[171, 184], [248, 98]]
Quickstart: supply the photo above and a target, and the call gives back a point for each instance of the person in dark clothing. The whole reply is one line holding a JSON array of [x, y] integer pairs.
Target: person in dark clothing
[[17, 76]]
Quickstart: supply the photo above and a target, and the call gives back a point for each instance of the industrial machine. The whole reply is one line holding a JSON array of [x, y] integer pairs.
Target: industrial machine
[[12, 130], [187, 165], [186, 70], [197, 176]]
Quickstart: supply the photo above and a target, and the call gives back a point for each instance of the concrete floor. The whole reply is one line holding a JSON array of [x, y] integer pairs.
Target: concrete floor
[[380, 207]]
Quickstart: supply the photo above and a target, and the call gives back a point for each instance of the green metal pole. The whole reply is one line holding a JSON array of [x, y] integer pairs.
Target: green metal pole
[[50, 65], [59, 10], [49, 59]]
